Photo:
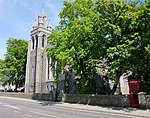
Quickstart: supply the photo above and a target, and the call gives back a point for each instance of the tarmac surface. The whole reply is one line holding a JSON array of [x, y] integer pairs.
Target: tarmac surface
[[132, 112], [136, 113]]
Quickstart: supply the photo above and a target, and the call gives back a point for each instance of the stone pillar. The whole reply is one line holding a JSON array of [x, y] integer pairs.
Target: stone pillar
[[27, 77], [148, 101], [142, 100], [38, 71], [124, 86]]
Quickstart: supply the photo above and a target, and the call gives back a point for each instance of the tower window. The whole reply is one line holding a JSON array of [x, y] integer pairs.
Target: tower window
[[43, 38], [33, 43], [48, 68], [36, 41]]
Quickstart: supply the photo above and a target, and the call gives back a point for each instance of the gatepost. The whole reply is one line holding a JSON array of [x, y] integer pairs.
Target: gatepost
[[142, 100]]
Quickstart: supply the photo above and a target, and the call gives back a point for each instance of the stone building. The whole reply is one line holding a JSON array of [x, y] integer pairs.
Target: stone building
[[39, 75]]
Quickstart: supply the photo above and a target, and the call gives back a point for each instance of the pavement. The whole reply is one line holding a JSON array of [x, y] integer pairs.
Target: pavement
[[124, 111]]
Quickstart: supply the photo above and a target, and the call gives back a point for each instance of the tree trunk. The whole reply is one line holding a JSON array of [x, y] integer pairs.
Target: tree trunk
[[116, 84], [114, 89], [16, 86]]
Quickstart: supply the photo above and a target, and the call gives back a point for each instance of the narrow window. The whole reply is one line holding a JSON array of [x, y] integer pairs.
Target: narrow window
[[48, 67], [43, 38], [36, 41], [33, 43]]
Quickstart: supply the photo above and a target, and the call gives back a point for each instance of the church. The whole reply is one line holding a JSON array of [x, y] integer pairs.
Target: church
[[39, 75], [40, 78]]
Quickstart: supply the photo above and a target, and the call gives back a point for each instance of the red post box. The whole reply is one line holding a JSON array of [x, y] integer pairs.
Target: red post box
[[134, 87]]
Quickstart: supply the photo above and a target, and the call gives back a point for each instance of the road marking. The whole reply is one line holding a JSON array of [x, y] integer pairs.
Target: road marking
[[28, 115], [43, 114], [10, 106]]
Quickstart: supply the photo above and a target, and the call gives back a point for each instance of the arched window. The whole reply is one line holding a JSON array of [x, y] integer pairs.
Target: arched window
[[43, 38], [36, 37], [33, 43], [50, 71], [48, 68]]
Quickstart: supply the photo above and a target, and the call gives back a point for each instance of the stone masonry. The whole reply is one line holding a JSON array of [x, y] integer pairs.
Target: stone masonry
[[39, 75]]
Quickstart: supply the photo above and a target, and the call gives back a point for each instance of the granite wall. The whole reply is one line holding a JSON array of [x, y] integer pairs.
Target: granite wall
[[102, 100]]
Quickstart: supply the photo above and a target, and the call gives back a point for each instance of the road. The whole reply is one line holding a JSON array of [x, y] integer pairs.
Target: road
[[16, 108]]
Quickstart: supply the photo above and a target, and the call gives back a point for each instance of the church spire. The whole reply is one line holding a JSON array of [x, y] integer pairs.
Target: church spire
[[43, 14], [42, 20], [43, 17]]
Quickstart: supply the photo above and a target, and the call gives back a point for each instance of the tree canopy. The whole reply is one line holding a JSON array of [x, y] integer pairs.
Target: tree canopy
[[111, 34], [13, 66]]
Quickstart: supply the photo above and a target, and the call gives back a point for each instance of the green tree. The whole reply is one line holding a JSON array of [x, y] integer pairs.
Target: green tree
[[2, 65], [13, 69], [118, 27], [74, 40], [113, 34], [126, 31], [143, 52]]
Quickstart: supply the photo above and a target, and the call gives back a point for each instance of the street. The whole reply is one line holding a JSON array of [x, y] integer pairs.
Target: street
[[17, 108]]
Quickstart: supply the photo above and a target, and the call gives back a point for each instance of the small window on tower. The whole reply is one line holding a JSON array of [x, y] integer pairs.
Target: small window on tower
[[48, 67], [36, 41], [33, 43], [43, 38]]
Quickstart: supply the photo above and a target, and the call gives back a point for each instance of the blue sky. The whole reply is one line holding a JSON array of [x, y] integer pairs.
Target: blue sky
[[17, 18]]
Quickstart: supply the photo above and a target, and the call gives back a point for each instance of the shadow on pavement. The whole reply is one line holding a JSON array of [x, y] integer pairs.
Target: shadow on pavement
[[125, 109], [50, 103]]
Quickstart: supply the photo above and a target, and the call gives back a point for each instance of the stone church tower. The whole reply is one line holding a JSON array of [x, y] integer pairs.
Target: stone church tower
[[39, 76]]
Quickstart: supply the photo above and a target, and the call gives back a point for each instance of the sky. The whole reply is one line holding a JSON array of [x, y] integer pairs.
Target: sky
[[17, 18]]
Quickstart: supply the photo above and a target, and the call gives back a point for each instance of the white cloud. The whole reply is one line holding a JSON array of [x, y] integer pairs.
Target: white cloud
[[26, 5], [53, 7], [15, 1], [53, 10]]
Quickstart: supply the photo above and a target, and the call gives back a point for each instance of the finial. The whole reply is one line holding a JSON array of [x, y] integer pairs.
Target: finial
[[35, 24], [48, 25]]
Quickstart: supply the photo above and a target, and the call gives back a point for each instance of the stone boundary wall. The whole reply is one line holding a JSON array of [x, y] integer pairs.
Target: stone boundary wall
[[17, 95], [148, 101], [37, 96], [101, 100], [44, 96]]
